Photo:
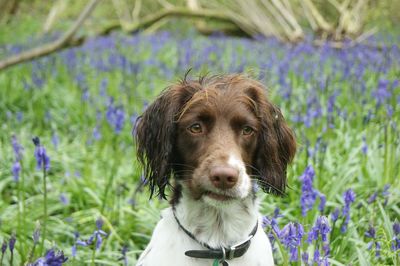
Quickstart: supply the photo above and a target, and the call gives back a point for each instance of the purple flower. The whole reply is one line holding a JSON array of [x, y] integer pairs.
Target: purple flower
[[305, 258], [3, 247], [124, 258], [64, 199], [74, 250], [317, 257], [364, 147], [335, 215], [349, 197], [16, 169], [55, 140], [17, 148], [291, 236], [52, 258], [43, 161], [396, 228], [308, 193], [321, 227], [370, 232], [115, 116], [372, 198], [382, 92], [96, 238], [11, 243], [322, 202]]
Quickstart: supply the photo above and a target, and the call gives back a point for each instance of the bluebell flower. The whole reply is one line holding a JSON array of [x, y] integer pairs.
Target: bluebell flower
[[308, 193], [115, 116], [305, 258], [124, 258], [396, 239], [43, 161], [64, 199], [96, 238], [55, 140], [3, 250], [370, 232], [386, 194], [11, 243], [396, 228], [349, 197], [3, 247], [372, 198], [17, 148], [335, 215], [364, 147], [52, 258], [74, 249], [317, 257], [321, 228], [16, 169], [382, 92], [322, 202], [291, 236]]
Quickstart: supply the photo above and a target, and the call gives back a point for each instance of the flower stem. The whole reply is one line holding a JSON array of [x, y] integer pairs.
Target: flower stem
[[21, 212], [44, 208]]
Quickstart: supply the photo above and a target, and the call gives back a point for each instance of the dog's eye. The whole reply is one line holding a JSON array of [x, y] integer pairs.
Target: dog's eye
[[195, 128], [247, 130]]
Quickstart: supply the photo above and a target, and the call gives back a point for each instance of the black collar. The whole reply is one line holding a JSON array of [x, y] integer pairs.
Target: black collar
[[221, 254]]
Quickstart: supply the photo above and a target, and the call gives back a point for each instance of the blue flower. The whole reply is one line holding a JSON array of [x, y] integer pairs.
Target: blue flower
[[372, 198], [396, 228], [115, 116], [16, 169], [335, 215], [17, 148], [3, 247], [124, 258], [321, 227], [11, 243], [52, 258], [96, 238], [43, 161], [291, 236], [308, 193], [349, 197], [64, 199]]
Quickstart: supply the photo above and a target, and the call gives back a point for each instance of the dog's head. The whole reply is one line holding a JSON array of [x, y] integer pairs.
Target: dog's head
[[215, 136]]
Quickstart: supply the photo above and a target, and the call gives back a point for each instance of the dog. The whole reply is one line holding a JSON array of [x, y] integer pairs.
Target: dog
[[212, 142]]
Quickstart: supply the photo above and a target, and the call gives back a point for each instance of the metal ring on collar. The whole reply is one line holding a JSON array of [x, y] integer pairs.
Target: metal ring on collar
[[223, 254]]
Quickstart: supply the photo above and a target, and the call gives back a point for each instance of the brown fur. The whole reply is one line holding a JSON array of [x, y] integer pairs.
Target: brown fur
[[223, 106]]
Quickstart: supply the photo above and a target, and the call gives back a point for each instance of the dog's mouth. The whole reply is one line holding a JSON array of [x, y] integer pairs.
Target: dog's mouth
[[217, 196]]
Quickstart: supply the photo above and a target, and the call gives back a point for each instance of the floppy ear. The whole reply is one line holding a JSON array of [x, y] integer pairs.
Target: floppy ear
[[276, 147], [155, 134]]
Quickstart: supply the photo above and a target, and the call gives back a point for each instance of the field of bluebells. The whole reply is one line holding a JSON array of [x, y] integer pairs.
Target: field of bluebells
[[69, 179]]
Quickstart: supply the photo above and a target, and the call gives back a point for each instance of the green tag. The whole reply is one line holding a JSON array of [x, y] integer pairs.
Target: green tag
[[216, 262]]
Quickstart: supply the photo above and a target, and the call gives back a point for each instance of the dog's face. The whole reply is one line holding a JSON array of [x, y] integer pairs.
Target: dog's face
[[216, 136]]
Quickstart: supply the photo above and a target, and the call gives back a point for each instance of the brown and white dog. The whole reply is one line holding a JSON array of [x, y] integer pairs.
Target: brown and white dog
[[220, 138]]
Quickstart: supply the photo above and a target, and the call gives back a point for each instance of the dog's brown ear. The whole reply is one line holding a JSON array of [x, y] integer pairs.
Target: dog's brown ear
[[276, 144], [155, 135]]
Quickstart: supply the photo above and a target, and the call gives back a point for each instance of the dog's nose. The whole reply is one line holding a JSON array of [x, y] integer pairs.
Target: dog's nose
[[224, 177]]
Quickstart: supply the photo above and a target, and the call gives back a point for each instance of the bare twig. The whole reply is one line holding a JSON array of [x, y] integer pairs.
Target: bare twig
[[63, 41]]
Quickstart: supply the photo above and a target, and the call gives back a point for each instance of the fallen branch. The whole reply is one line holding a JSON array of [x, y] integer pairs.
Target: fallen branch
[[64, 41]]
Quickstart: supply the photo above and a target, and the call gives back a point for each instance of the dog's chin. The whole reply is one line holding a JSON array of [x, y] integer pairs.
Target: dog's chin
[[219, 200]]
